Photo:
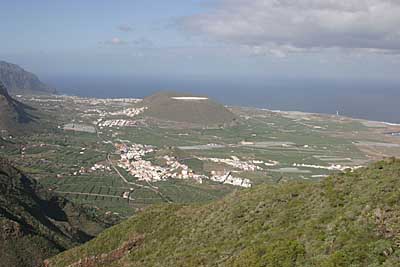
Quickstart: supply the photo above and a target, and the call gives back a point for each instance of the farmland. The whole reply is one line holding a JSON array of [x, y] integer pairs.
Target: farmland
[[84, 163]]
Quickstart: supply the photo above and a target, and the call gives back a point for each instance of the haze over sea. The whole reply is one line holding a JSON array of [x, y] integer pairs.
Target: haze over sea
[[354, 98]]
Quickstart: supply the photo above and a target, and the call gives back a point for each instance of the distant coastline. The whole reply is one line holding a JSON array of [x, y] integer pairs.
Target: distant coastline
[[356, 100]]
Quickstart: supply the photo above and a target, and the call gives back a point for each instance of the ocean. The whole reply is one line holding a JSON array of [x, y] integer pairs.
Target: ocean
[[373, 100]]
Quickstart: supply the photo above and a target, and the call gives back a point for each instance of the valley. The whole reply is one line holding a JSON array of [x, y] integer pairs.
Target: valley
[[112, 154], [222, 133]]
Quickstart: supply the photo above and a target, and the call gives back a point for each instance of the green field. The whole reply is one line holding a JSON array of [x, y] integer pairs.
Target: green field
[[55, 156]]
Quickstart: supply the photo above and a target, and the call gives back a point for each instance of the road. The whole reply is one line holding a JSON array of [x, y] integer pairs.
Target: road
[[149, 187]]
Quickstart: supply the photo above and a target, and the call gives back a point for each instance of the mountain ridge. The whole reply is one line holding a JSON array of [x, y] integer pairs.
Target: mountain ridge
[[20, 81]]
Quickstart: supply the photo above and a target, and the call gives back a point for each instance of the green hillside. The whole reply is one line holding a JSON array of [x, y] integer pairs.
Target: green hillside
[[204, 112], [35, 224], [350, 219]]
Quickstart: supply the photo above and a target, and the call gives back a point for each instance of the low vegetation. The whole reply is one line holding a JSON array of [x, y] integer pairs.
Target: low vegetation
[[35, 224], [350, 219]]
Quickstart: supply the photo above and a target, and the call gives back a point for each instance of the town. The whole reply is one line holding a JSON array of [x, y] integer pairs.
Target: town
[[144, 170]]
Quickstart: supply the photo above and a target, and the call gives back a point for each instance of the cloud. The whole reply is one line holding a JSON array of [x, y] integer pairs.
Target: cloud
[[141, 43], [125, 28], [289, 26], [115, 41]]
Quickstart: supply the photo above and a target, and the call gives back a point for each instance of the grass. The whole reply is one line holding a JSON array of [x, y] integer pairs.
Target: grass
[[346, 220]]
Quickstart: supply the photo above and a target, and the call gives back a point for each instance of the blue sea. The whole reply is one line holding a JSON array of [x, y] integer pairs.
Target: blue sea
[[373, 100]]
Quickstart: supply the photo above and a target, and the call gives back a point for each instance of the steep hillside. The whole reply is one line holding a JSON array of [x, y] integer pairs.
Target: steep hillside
[[19, 80], [34, 224], [14, 116], [350, 219], [186, 108]]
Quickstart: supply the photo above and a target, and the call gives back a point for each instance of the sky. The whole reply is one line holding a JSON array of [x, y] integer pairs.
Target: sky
[[224, 39]]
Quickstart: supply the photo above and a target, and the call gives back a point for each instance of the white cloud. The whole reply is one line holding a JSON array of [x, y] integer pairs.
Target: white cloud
[[115, 41], [286, 26], [141, 43]]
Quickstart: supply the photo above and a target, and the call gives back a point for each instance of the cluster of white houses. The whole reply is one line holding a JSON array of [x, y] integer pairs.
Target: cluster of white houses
[[132, 160], [237, 163], [332, 167], [106, 117], [228, 178], [144, 170], [129, 112], [95, 167], [117, 123], [99, 101]]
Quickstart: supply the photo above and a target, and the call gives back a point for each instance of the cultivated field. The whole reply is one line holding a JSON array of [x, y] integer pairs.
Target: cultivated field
[[82, 162]]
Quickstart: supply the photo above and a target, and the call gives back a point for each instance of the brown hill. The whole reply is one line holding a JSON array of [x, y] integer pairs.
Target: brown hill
[[187, 108]]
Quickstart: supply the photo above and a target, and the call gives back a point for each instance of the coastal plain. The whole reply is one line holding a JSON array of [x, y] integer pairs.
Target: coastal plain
[[115, 155]]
